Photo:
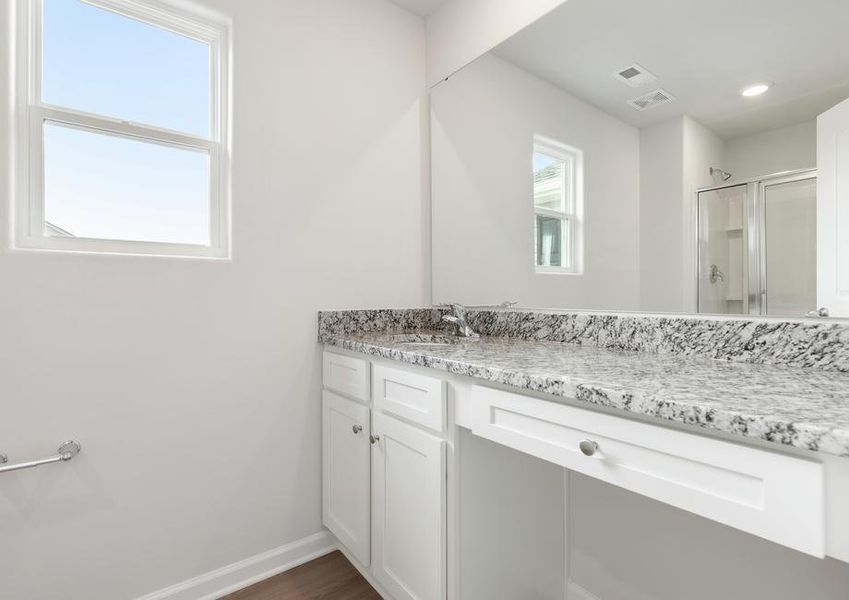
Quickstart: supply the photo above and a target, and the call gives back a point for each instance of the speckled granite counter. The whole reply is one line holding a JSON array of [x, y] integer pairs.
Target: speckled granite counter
[[802, 407]]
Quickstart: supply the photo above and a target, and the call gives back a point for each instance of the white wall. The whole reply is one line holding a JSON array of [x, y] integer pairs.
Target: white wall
[[483, 123], [785, 149], [194, 385], [675, 158], [462, 30], [511, 523], [661, 181]]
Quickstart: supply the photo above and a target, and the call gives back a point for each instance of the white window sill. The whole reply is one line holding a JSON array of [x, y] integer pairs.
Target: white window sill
[[556, 271]]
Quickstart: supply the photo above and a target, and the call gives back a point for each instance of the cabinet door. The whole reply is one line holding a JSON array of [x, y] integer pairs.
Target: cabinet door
[[408, 525], [347, 473]]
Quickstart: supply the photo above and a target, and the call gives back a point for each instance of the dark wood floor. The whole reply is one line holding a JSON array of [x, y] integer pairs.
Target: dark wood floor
[[330, 577]]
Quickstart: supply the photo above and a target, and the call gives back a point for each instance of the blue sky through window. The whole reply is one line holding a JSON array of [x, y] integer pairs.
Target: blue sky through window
[[541, 161], [107, 187], [101, 62]]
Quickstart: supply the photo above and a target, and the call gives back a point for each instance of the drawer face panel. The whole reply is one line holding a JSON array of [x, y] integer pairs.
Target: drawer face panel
[[417, 398], [774, 496], [347, 375]]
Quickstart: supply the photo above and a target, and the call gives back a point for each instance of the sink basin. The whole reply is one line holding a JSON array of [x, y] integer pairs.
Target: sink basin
[[427, 339]]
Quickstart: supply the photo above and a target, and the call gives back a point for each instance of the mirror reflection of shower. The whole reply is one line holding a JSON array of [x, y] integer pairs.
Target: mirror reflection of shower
[[715, 275], [757, 245], [720, 176], [722, 246]]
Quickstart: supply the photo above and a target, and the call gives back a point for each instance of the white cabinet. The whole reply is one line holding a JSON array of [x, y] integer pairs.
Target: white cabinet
[[392, 435], [346, 477], [384, 477], [408, 510]]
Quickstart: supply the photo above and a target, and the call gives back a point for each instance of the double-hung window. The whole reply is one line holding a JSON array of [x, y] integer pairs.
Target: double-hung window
[[122, 129], [558, 207]]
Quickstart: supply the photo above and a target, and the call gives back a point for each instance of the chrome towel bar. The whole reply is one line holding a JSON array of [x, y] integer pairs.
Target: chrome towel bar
[[66, 452]]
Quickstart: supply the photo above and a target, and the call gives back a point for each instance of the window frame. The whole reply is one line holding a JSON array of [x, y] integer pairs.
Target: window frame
[[572, 215], [33, 114]]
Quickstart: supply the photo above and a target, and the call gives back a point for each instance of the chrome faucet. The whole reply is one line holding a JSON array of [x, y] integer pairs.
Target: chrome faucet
[[458, 318]]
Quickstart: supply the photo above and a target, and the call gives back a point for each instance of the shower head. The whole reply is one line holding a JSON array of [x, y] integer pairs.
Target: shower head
[[725, 175]]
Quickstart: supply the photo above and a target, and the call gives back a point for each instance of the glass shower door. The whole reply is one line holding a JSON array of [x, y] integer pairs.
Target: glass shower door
[[789, 267], [723, 255]]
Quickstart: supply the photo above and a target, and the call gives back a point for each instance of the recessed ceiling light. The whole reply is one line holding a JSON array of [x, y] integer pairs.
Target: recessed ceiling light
[[756, 89]]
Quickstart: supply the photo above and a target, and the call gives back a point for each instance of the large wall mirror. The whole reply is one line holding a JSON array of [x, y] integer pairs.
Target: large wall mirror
[[655, 156]]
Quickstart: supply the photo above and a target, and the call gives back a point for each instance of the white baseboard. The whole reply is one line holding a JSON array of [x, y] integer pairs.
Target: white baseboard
[[233, 577], [576, 592]]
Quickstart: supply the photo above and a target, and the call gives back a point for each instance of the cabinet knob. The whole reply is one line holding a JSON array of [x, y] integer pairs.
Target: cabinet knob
[[356, 429], [374, 439], [588, 447]]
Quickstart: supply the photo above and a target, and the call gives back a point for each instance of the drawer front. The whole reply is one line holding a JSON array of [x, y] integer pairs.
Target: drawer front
[[347, 375], [417, 398], [771, 495]]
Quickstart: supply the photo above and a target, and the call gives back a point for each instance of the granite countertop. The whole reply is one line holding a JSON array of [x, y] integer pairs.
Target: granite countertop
[[791, 406]]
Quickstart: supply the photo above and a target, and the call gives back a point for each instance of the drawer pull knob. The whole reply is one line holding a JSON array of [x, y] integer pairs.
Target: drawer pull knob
[[373, 439], [356, 429], [588, 447]]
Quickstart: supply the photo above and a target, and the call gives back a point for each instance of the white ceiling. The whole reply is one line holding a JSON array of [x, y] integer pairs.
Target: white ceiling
[[423, 8], [703, 52]]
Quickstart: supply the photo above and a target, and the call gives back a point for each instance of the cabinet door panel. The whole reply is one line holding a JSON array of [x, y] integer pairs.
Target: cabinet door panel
[[346, 474], [409, 510]]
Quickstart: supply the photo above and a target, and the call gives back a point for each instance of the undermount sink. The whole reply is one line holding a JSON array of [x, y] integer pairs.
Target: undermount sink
[[427, 339]]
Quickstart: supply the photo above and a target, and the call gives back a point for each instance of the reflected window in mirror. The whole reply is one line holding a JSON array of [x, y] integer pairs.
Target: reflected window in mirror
[[558, 206]]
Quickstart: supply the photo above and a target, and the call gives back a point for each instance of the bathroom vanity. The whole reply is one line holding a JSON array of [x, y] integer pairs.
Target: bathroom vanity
[[426, 492]]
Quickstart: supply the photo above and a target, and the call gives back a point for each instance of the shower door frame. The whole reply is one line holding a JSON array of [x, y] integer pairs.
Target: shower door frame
[[753, 229]]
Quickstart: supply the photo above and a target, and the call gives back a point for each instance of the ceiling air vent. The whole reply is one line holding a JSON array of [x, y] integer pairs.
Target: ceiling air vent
[[634, 75], [652, 99]]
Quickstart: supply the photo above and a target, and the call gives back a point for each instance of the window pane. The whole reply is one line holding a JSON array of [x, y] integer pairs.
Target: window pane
[[100, 62], [550, 182], [551, 242], [106, 187]]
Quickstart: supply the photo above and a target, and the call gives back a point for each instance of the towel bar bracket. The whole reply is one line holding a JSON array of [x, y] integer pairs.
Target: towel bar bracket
[[66, 452]]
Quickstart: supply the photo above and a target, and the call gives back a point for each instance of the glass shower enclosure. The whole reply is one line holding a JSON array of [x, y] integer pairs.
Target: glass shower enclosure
[[757, 246]]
